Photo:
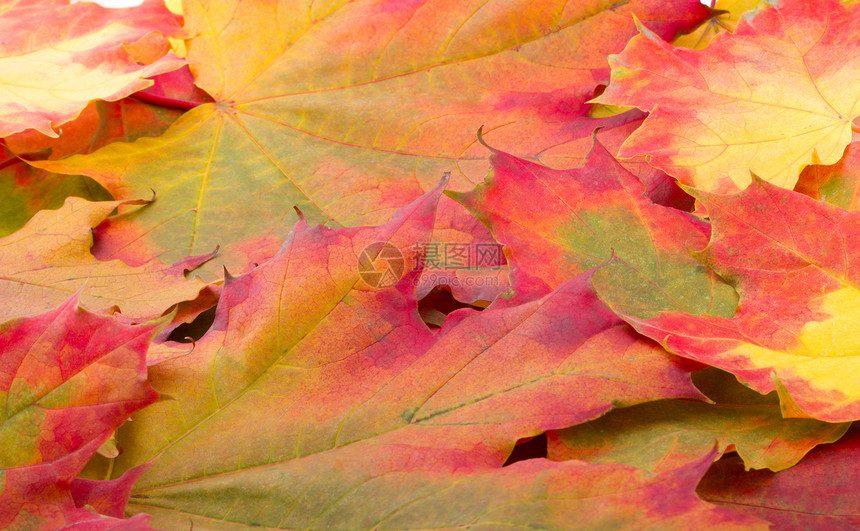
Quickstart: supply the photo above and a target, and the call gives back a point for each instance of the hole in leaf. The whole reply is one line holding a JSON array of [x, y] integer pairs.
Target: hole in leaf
[[437, 304], [723, 387], [193, 331], [528, 448]]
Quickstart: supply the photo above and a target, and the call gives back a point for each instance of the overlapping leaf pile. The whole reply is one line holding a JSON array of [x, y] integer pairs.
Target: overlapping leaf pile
[[676, 304]]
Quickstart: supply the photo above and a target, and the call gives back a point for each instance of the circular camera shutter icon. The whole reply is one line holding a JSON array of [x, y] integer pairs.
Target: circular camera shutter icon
[[380, 265]]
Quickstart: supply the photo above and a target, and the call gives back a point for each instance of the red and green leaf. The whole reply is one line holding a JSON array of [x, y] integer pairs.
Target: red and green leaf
[[422, 413], [818, 493], [837, 184], [663, 435], [557, 224], [792, 261], [413, 487], [68, 379]]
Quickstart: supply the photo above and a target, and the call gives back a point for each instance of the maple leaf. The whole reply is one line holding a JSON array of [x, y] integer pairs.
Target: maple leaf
[[557, 224], [767, 99], [725, 15], [68, 379], [408, 418], [659, 186], [352, 110], [318, 397], [25, 190], [663, 435], [109, 497], [837, 184], [817, 493], [426, 492], [49, 259], [55, 60], [146, 113], [791, 259]]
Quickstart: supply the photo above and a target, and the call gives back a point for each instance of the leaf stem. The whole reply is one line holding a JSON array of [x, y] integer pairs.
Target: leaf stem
[[162, 101], [9, 162], [110, 468]]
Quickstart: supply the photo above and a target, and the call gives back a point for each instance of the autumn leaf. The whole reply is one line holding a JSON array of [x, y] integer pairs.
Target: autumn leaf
[[665, 434], [724, 17], [818, 493], [792, 262], [145, 113], [837, 184], [110, 497], [420, 367], [68, 379], [49, 259], [767, 99], [659, 186], [25, 190], [557, 224], [292, 294], [428, 415], [54, 61], [352, 110], [430, 495]]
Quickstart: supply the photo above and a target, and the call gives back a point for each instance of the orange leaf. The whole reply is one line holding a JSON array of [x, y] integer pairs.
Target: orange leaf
[[837, 184], [54, 61], [767, 99], [49, 259]]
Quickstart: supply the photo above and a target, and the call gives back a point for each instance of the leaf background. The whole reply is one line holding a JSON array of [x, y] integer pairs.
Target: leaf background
[[312, 393]]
